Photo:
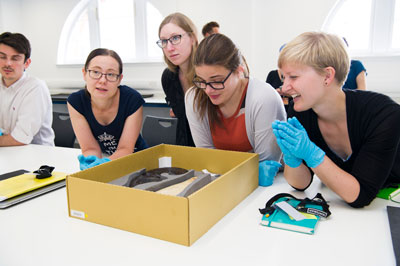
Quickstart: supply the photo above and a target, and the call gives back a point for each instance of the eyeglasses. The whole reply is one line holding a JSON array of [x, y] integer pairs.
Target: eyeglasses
[[111, 77], [174, 40], [216, 85]]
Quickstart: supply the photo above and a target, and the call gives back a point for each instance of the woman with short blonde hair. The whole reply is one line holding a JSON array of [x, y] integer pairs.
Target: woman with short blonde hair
[[348, 138]]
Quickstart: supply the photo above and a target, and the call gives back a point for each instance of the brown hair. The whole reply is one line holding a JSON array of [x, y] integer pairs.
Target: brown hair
[[216, 50], [209, 27], [187, 25], [17, 41], [102, 52], [105, 52]]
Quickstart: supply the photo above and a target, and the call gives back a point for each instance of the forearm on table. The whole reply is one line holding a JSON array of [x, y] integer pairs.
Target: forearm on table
[[91, 151], [120, 152], [299, 177], [8, 140], [338, 180]]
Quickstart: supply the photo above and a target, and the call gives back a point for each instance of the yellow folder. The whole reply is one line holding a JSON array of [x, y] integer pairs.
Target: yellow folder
[[20, 184]]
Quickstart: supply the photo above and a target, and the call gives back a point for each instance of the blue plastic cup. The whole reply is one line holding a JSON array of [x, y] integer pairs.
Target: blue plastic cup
[[267, 170]]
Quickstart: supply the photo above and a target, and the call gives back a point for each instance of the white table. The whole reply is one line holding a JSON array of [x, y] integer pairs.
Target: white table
[[40, 232]]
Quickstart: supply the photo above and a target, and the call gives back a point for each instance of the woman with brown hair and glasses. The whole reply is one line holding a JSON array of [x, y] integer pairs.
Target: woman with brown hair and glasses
[[178, 40], [228, 110], [106, 116]]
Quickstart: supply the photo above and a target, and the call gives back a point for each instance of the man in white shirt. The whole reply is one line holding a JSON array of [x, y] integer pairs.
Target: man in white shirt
[[25, 102]]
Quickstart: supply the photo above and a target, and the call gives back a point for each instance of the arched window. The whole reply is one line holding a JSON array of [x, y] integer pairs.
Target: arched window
[[371, 27], [130, 27]]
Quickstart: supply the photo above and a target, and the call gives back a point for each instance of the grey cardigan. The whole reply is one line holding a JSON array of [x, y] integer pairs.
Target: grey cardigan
[[263, 105]]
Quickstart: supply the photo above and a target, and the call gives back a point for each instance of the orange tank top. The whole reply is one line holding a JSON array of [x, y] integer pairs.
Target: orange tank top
[[232, 136]]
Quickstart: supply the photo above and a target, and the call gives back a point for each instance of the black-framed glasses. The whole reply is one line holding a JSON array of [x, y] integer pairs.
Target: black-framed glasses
[[216, 85], [174, 40], [94, 74]]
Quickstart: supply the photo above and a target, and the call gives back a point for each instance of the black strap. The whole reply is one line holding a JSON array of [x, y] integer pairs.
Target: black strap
[[317, 200], [269, 208], [44, 171]]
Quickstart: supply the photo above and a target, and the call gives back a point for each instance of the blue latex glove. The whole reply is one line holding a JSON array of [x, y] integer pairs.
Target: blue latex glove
[[288, 157], [99, 161], [295, 139], [84, 162], [267, 170], [1, 132]]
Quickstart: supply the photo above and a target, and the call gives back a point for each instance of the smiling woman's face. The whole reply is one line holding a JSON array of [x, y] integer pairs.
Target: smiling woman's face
[[304, 84], [102, 87]]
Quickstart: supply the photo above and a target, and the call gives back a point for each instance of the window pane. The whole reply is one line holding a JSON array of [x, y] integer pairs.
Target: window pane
[[117, 27], [111, 24], [352, 21], [78, 45], [154, 19], [396, 27]]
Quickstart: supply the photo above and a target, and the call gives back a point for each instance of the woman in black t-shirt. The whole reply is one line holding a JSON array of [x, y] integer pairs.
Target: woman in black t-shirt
[[178, 41], [106, 117], [349, 139]]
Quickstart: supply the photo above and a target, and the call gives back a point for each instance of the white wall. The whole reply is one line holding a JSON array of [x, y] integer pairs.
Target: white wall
[[259, 27], [10, 12], [383, 75]]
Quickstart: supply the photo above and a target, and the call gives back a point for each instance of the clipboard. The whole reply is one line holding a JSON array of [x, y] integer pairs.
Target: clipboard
[[14, 173], [20, 185]]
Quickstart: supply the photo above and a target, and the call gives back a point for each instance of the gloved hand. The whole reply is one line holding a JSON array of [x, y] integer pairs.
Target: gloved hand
[[267, 171], [288, 157], [294, 138], [99, 161], [1, 132], [84, 162]]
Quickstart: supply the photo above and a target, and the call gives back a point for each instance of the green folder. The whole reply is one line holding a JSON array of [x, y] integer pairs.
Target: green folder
[[389, 192]]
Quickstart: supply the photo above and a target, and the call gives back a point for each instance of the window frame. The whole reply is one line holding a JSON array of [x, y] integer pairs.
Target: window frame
[[141, 37], [381, 28]]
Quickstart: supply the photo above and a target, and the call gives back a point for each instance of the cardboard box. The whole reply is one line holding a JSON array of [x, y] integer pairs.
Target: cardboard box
[[176, 219]]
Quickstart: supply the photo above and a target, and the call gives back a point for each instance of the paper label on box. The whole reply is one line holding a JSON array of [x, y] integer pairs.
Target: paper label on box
[[78, 214], [164, 162]]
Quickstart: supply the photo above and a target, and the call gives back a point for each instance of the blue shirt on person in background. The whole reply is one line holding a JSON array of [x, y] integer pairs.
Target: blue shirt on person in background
[[356, 67]]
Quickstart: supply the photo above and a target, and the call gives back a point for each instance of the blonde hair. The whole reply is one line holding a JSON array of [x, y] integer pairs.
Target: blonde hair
[[188, 26], [318, 50]]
